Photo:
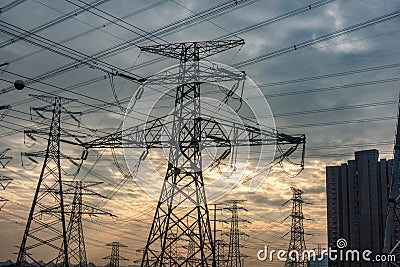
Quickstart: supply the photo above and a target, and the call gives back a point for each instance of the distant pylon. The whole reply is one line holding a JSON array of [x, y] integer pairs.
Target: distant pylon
[[3, 202], [75, 236], [115, 257], [220, 255], [234, 256], [4, 182], [48, 232], [191, 254], [218, 243], [297, 242], [6, 108], [4, 160]]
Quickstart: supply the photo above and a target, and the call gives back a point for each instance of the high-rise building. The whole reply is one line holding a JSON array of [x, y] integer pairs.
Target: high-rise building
[[357, 193]]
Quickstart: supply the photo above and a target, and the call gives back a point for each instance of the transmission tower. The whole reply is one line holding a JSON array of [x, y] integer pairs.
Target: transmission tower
[[3, 202], [6, 109], [195, 222], [220, 255], [4, 160], [4, 182], [185, 138], [47, 232], [115, 257], [75, 236], [218, 243], [190, 251], [392, 240], [234, 256], [297, 242]]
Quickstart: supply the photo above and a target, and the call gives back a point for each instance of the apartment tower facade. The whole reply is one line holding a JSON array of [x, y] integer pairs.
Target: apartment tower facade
[[357, 198]]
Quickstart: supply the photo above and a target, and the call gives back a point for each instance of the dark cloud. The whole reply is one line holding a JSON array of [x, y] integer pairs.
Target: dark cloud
[[374, 46]]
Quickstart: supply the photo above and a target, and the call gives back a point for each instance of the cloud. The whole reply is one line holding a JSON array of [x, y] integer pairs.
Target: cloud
[[373, 46]]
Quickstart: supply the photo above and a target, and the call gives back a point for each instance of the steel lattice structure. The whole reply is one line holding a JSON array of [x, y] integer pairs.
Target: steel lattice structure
[[75, 236], [4, 182], [6, 108], [4, 160], [391, 244], [3, 202], [234, 256], [115, 257], [220, 256], [190, 251], [193, 222], [50, 232], [297, 242], [185, 136]]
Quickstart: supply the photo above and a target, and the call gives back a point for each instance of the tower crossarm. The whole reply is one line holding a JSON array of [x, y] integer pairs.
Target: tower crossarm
[[4, 181], [207, 73], [155, 134], [192, 50]]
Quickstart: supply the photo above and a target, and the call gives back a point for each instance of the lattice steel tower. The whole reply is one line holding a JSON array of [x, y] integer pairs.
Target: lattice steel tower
[[234, 256], [4, 159], [75, 236], [48, 231], [195, 222], [182, 212], [391, 242], [297, 241], [4, 182], [115, 257]]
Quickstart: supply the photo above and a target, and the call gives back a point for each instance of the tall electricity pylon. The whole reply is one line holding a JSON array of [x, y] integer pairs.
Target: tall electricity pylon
[[75, 236], [190, 251], [186, 135], [193, 222], [297, 242], [3, 202], [47, 232], [4, 159], [6, 108], [219, 249], [391, 244], [115, 257], [234, 256], [4, 182], [220, 255]]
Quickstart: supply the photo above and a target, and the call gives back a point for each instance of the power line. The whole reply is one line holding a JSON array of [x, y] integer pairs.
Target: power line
[[51, 23], [98, 28], [330, 123], [156, 60], [331, 75], [333, 88], [319, 39], [119, 20], [276, 19], [179, 25], [341, 108], [65, 52], [10, 6]]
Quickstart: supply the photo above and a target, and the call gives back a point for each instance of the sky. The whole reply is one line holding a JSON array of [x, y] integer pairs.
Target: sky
[[341, 93]]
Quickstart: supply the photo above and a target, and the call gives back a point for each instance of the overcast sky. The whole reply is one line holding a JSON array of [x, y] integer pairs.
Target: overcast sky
[[339, 112]]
